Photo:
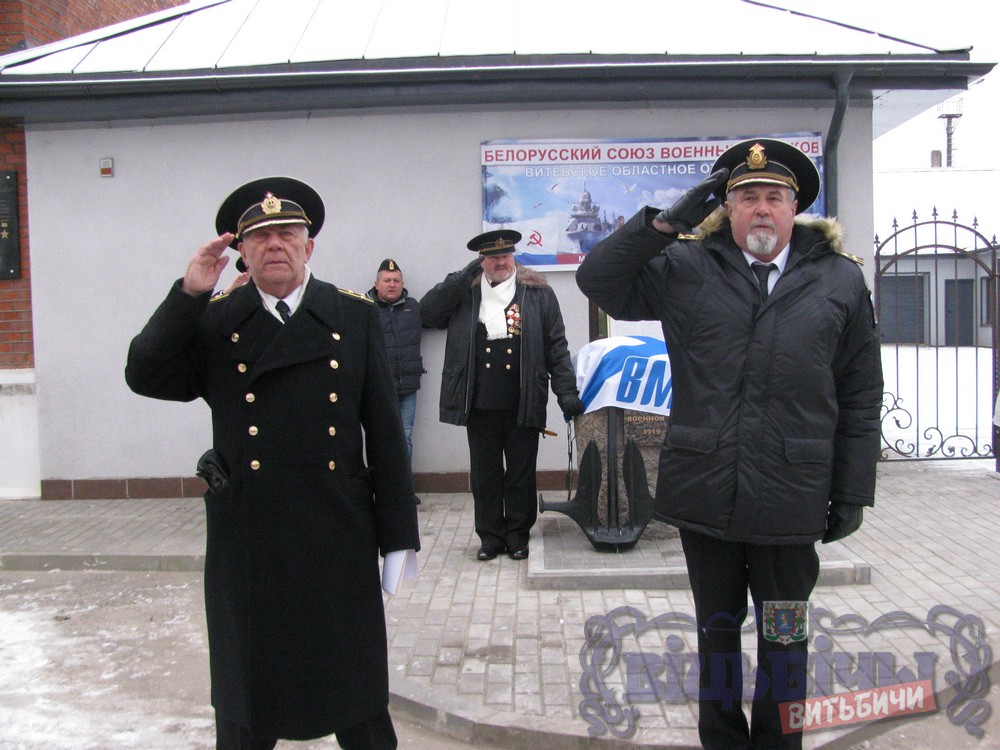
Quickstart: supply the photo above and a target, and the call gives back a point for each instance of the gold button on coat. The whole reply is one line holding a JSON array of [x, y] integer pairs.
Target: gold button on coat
[[334, 364], [253, 429], [234, 338], [333, 398], [251, 398], [336, 336], [333, 431], [333, 465], [255, 464], [241, 367]]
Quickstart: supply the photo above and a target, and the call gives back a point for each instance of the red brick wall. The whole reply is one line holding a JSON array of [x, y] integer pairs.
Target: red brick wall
[[29, 23], [23, 24], [16, 350]]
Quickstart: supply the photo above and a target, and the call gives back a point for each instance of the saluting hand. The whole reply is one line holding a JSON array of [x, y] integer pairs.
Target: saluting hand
[[474, 267], [693, 207], [206, 266]]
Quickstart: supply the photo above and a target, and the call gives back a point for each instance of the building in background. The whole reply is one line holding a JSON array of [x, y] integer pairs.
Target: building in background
[[24, 25], [130, 134]]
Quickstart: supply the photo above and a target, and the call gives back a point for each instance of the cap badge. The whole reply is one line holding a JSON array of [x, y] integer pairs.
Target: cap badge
[[270, 204], [392, 266], [499, 243], [756, 158]]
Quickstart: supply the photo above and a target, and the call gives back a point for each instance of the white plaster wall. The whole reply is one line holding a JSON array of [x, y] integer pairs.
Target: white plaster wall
[[104, 251], [19, 468]]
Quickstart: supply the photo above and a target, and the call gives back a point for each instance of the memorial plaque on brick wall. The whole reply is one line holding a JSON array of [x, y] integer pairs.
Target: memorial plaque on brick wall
[[644, 428], [10, 249]]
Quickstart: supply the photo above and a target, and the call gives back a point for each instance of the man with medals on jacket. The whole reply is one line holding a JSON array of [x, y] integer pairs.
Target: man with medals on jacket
[[506, 340]]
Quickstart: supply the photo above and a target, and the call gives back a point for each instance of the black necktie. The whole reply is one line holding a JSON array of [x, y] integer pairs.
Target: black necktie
[[762, 271], [282, 307]]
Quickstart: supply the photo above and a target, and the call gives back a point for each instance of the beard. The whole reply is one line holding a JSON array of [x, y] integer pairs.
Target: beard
[[498, 277], [761, 243]]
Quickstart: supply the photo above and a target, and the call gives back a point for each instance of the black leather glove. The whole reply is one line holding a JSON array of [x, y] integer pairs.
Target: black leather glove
[[842, 520], [474, 267], [210, 469], [695, 205], [571, 405]]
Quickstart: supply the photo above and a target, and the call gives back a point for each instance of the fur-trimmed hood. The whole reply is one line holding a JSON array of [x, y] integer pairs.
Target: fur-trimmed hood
[[525, 276], [831, 229]]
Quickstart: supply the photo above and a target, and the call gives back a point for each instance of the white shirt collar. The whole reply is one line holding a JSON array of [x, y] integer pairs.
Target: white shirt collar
[[780, 260], [293, 299]]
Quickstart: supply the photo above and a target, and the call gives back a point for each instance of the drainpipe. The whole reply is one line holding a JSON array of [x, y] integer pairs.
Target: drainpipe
[[841, 79]]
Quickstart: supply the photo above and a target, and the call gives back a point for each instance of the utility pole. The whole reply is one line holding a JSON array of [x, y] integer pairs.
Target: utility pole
[[951, 113]]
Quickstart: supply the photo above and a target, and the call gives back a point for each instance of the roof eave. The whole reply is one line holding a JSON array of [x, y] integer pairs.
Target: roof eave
[[510, 80]]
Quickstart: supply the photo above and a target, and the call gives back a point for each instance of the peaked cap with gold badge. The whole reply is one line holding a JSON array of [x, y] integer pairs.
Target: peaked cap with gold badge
[[764, 161], [268, 201], [495, 242]]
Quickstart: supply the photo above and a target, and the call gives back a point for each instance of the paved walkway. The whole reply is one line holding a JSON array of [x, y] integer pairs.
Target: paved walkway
[[496, 652]]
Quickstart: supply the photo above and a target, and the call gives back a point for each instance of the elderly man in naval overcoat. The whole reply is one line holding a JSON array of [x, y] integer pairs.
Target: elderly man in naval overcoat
[[308, 476]]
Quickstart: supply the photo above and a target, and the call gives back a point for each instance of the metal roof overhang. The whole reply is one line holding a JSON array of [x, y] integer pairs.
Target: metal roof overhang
[[904, 85]]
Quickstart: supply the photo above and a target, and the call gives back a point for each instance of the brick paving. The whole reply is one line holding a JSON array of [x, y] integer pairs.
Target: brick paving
[[494, 652]]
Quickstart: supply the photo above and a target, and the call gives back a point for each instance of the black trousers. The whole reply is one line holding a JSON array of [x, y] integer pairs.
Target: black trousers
[[376, 733], [720, 573], [505, 496]]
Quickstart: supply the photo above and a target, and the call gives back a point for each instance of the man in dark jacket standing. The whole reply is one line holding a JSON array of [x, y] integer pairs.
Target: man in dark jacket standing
[[774, 429], [506, 339], [400, 316], [295, 373]]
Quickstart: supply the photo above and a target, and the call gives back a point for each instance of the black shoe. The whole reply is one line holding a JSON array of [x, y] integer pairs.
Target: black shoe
[[519, 553], [485, 553], [416, 500]]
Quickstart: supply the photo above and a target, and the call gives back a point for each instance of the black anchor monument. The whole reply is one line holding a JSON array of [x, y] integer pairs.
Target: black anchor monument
[[584, 508]]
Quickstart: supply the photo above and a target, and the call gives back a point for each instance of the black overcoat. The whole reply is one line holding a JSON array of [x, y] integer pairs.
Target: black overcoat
[[295, 615]]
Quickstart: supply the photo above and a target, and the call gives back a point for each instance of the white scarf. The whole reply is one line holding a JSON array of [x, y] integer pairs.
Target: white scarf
[[492, 310]]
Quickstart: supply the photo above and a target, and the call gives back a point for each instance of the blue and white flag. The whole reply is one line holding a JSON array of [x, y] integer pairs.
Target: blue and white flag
[[630, 372]]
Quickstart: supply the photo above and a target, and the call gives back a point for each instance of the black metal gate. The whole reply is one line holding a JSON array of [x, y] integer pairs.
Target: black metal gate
[[936, 298]]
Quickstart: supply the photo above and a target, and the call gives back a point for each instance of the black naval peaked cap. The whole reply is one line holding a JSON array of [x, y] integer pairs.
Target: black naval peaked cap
[[495, 242], [268, 201], [764, 161]]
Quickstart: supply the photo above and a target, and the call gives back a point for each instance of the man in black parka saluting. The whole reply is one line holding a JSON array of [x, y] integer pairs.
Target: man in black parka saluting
[[774, 427]]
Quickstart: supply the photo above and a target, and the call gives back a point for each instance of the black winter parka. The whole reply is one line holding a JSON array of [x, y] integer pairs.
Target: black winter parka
[[775, 410]]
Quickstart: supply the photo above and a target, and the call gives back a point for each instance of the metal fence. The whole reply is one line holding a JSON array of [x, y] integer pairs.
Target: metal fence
[[936, 299]]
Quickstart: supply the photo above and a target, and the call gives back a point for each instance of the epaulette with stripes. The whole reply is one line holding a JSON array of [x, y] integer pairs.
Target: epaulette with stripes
[[356, 295], [855, 258]]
